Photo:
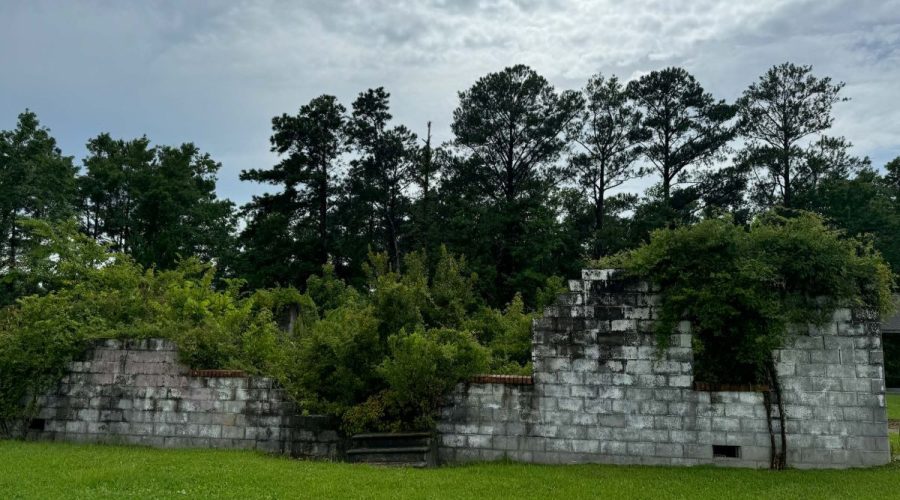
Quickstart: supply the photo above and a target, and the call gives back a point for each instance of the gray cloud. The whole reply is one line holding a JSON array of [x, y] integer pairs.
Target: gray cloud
[[215, 73]]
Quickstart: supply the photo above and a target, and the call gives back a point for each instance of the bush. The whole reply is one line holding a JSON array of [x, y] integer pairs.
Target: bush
[[507, 334], [422, 367], [381, 359], [98, 294], [333, 366]]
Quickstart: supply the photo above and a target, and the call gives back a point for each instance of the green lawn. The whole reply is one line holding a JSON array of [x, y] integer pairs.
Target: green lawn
[[54, 470], [893, 406]]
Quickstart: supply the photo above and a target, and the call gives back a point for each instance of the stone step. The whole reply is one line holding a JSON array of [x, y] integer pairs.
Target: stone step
[[391, 440], [407, 449], [407, 456]]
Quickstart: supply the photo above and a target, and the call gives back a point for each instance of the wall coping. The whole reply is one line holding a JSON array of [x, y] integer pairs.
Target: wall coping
[[502, 379], [219, 373]]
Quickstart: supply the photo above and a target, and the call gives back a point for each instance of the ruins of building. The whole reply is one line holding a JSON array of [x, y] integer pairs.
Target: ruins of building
[[602, 391]]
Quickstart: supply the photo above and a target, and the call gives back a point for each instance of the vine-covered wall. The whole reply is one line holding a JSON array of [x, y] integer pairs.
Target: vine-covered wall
[[137, 392], [602, 392]]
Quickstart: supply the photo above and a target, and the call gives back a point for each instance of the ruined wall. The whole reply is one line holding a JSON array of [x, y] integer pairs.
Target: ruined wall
[[600, 393], [137, 392]]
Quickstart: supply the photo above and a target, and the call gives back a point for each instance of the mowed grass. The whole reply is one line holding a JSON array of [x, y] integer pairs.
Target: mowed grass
[[58, 470], [893, 406]]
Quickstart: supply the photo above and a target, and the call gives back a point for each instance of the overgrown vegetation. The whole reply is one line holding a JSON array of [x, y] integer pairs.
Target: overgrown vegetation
[[381, 358], [744, 289]]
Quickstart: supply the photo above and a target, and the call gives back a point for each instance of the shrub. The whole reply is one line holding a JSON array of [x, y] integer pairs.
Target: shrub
[[507, 334], [422, 367], [380, 359], [333, 365], [98, 294]]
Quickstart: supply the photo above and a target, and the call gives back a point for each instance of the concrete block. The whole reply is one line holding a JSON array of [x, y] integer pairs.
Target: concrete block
[[572, 378], [641, 449], [639, 421], [584, 391], [653, 435], [870, 371], [613, 448], [740, 410], [810, 370], [726, 424], [861, 414], [669, 450], [142, 428], [653, 408], [825, 356], [668, 422], [478, 441]]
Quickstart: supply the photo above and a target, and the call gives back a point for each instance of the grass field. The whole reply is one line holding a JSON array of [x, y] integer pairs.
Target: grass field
[[893, 406], [55, 470]]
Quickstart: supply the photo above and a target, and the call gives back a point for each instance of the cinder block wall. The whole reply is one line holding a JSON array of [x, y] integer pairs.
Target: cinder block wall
[[137, 392], [601, 393]]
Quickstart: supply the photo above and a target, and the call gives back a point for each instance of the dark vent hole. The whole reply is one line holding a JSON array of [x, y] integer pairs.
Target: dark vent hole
[[37, 424], [726, 451]]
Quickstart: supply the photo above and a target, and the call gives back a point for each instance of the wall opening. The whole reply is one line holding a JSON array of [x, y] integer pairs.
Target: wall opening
[[726, 451]]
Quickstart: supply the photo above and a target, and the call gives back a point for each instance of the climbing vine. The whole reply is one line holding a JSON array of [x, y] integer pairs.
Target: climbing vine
[[744, 290]]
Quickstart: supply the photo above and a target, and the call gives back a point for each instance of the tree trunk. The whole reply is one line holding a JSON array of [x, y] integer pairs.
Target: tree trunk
[[13, 246], [393, 247], [599, 202], [323, 214], [772, 399], [786, 174]]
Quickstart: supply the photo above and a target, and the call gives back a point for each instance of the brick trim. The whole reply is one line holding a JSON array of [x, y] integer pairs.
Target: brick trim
[[218, 373], [502, 379]]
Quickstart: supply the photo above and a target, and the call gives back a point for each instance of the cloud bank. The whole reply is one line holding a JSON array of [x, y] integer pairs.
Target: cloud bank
[[216, 72]]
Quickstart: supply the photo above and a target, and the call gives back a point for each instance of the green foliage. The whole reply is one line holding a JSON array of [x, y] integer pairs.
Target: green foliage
[[333, 365], [742, 289], [291, 233], [865, 206], [508, 335], [499, 195], [158, 204], [392, 351], [423, 366], [452, 291], [686, 126], [295, 312], [786, 106], [382, 360], [36, 181], [327, 290], [99, 294]]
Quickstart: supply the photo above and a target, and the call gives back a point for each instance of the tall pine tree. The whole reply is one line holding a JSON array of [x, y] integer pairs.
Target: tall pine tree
[[290, 234]]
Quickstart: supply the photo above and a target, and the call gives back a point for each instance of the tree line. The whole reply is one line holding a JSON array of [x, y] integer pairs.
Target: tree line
[[529, 187]]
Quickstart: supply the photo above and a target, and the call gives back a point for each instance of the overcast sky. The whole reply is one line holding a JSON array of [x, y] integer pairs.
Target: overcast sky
[[215, 72]]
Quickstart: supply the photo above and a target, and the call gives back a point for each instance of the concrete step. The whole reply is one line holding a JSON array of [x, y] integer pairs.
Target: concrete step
[[391, 439], [403, 449]]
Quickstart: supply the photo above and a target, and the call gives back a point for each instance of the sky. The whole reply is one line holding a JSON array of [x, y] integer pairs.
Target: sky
[[215, 72]]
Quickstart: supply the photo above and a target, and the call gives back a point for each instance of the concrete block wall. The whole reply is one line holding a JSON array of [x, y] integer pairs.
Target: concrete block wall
[[604, 392], [137, 392]]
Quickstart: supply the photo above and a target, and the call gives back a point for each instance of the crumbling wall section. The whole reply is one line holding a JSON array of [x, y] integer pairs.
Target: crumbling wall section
[[602, 391]]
